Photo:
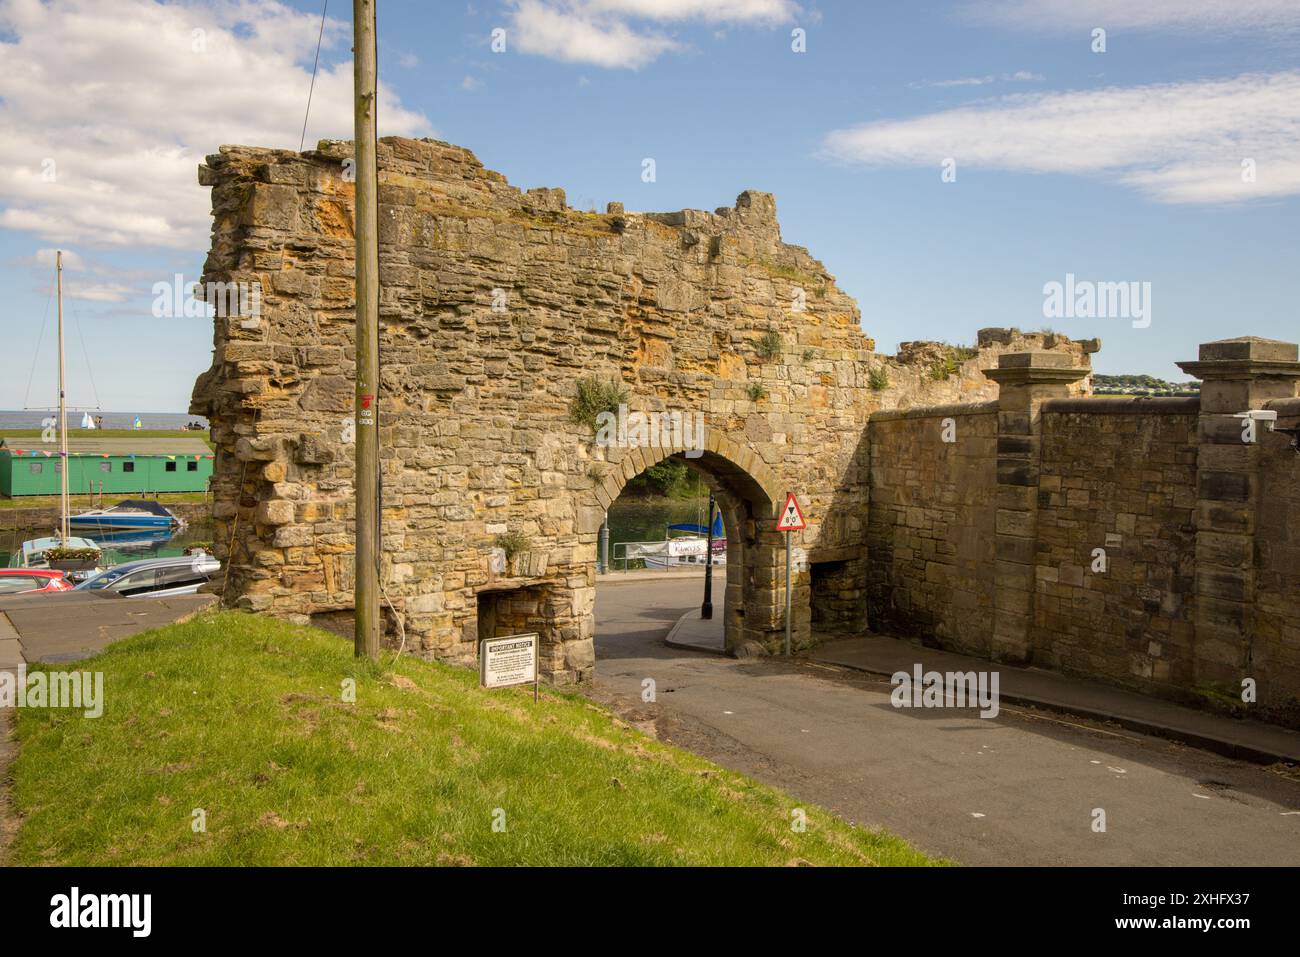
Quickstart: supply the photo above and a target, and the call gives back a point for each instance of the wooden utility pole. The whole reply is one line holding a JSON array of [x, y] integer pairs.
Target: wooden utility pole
[[63, 414], [366, 595]]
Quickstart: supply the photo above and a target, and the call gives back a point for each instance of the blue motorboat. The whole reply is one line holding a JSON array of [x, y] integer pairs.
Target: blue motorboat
[[131, 514]]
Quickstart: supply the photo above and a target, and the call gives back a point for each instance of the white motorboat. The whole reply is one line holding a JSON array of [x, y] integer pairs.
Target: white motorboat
[[678, 552], [32, 554]]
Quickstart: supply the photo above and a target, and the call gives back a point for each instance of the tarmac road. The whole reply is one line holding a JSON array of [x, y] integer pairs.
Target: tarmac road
[[1021, 788]]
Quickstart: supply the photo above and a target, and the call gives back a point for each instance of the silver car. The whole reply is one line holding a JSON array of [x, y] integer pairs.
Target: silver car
[[156, 577]]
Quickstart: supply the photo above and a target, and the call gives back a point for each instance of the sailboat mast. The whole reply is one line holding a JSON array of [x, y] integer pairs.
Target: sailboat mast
[[63, 415]]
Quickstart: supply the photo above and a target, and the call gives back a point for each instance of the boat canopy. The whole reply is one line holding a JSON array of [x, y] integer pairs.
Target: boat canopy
[[699, 529], [140, 505]]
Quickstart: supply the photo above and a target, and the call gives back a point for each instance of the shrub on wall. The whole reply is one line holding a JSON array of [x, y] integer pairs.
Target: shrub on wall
[[769, 347], [596, 395]]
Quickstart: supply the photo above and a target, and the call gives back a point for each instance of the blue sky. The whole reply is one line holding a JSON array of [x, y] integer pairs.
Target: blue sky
[[1123, 165]]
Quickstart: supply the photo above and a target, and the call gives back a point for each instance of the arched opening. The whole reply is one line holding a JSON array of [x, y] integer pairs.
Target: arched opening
[[747, 595]]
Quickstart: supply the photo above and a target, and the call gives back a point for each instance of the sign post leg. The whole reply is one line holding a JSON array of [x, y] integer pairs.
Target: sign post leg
[[787, 594]]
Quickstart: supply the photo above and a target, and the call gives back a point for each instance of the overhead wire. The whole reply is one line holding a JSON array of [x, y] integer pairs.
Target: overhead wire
[[39, 341]]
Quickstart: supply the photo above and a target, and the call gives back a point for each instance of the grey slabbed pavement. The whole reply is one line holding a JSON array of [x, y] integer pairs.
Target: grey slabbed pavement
[[1022, 788], [1236, 738], [68, 626], [888, 655]]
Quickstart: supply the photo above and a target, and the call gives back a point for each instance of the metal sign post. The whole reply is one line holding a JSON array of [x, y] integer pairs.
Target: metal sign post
[[791, 520], [787, 594]]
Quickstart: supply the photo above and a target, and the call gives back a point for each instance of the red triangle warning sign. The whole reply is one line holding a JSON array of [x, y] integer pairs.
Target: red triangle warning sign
[[791, 519]]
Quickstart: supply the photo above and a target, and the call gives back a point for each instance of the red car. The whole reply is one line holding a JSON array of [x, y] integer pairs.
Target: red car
[[20, 581]]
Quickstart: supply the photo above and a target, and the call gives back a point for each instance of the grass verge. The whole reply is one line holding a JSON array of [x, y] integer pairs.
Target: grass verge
[[243, 718], [92, 501]]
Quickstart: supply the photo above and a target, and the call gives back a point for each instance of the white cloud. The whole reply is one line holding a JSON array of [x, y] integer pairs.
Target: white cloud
[[1227, 16], [46, 258], [99, 291], [1020, 76], [1178, 142], [626, 33], [470, 83], [125, 99]]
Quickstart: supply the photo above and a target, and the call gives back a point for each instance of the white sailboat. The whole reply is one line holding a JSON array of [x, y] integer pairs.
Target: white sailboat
[[33, 553]]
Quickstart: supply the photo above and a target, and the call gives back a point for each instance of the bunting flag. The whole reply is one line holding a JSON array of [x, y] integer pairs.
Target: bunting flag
[[171, 458], [137, 423], [18, 451]]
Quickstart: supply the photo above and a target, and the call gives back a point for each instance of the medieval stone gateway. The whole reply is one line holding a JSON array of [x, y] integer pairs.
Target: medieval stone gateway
[[497, 303]]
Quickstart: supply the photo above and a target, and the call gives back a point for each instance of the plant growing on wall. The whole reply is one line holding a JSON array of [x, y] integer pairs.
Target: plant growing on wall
[[878, 378], [944, 369], [513, 544], [769, 347], [596, 395], [757, 391]]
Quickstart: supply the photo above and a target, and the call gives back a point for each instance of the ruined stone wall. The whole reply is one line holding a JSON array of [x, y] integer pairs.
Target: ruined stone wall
[[495, 302], [930, 538], [1117, 475]]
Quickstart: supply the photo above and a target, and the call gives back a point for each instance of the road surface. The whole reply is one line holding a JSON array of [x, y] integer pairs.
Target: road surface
[[1022, 788]]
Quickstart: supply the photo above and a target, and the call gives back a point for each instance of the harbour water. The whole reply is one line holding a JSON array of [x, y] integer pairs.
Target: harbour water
[[117, 548], [34, 419]]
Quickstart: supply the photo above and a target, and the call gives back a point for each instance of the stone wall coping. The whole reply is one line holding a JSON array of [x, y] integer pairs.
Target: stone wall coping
[[1284, 406], [935, 411], [1241, 369], [1126, 405], [1249, 348], [1034, 375], [1034, 359]]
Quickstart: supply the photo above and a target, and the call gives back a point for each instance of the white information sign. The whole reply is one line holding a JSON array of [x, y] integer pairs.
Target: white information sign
[[508, 660]]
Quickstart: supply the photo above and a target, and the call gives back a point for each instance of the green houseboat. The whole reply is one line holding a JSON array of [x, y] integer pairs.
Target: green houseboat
[[31, 467]]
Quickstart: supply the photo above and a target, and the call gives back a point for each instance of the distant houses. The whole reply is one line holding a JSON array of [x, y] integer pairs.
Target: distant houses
[[1142, 385], [29, 466]]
